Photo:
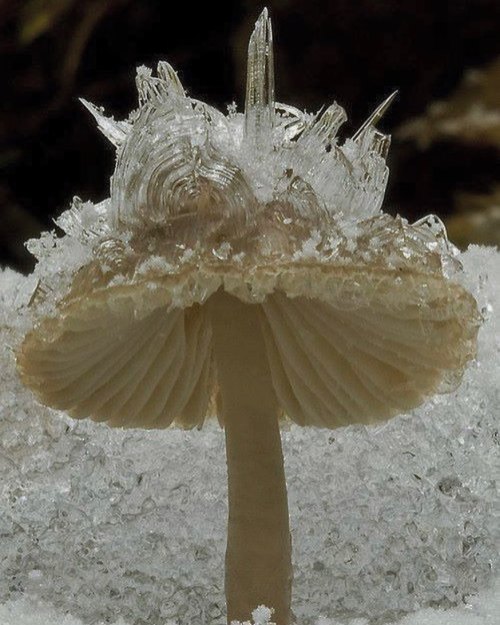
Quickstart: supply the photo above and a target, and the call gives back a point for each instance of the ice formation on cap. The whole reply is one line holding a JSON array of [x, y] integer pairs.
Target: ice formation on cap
[[183, 164], [193, 187]]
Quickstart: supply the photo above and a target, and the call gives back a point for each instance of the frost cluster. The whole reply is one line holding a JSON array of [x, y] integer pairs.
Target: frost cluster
[[195, 189]]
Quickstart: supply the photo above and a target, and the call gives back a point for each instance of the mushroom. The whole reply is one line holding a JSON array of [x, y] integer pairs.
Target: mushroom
[[242, 267]]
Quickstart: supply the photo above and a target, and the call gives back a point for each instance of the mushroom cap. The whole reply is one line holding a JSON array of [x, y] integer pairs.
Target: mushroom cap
[[361, 312], [346, 343]]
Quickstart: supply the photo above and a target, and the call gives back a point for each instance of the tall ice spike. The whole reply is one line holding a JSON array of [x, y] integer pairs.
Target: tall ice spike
[[375, 116], [259, 104]]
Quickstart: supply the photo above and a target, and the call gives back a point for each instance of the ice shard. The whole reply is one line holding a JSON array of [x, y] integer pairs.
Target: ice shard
[[376, 116], [114, 131], [155, 89], [259, 104]]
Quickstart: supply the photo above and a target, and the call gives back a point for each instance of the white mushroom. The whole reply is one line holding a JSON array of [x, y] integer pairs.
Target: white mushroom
[[242, 267]]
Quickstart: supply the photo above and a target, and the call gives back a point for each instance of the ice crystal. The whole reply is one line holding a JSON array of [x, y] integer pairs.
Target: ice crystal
[[198, 188]]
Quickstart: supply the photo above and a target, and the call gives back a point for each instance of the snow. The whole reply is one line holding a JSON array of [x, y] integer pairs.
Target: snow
[[397, 523], [482, 609]]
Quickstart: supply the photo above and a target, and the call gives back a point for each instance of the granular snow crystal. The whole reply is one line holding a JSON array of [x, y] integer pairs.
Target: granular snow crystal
[[127, 526]]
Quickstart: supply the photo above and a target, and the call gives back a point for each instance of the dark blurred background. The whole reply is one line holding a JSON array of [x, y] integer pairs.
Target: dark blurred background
[[442, 56]]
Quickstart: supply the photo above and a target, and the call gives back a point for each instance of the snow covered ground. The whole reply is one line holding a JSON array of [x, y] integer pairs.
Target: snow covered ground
[[397, 523], [482, 609]]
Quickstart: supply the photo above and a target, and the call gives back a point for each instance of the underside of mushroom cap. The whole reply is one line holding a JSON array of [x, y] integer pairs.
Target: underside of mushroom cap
[[344, 344]]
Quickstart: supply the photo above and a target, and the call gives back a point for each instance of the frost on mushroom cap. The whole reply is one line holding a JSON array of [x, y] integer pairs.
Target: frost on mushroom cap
[[270, 206]]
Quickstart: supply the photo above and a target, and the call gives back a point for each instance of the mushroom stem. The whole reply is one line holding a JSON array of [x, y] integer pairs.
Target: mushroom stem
[[258, 555]]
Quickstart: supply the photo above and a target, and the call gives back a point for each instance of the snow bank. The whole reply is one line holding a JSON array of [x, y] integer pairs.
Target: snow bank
[[128, 527], [482, 609]]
